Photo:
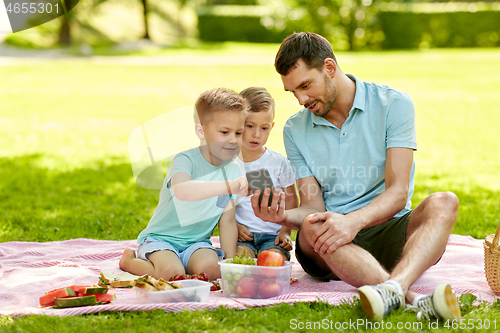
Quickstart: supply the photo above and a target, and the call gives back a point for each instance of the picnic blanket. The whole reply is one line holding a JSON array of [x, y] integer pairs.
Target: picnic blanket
[[28, 270]]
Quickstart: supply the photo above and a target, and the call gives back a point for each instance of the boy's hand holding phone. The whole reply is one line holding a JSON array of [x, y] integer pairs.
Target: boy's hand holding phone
[[239, 186]]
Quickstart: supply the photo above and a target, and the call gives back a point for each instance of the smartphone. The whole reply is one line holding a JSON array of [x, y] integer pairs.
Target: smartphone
[[260, 180]]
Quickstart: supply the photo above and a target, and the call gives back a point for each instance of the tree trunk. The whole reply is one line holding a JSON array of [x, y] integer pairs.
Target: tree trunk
[[146, 29], [65, 32]]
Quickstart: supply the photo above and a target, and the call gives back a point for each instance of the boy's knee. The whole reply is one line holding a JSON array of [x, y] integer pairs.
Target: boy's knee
[[281, 253], [167, 272]]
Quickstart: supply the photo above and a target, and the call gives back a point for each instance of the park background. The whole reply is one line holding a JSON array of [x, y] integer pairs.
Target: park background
[[73, 90]]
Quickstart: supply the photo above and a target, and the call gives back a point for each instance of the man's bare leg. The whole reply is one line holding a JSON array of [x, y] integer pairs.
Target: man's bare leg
[[350, 263], [427, 235]]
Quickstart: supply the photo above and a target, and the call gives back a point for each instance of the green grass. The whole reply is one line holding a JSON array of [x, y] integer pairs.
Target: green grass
[[66, 170]]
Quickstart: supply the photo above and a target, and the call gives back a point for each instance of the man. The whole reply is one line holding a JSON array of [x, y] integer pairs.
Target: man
[[352, 150]]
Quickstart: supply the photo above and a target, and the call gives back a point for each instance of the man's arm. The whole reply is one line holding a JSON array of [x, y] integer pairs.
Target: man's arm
[[228, 232], [399, 162], [311, 200], [338, 230], [186, 189]]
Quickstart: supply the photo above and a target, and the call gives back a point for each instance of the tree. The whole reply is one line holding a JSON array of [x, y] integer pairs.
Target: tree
[[347, 24], [146, 26]]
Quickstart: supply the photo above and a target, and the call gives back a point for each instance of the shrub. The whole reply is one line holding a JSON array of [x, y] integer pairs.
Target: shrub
[[405, 28]]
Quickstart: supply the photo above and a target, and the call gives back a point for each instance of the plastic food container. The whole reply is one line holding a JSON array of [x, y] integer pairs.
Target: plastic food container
[[249, 281], [192, 291]]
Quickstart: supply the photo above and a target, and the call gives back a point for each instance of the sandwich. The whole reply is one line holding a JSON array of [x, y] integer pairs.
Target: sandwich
[[127, 280], [150, 283], [124, 280]]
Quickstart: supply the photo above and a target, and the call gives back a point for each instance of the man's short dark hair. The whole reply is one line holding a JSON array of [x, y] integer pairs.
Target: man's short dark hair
[[312, 48]]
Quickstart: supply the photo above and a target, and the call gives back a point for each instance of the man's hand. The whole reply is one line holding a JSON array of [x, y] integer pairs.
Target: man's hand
[[336, 231], [273, 213], [239, 186], [283, 239], [243, 234]]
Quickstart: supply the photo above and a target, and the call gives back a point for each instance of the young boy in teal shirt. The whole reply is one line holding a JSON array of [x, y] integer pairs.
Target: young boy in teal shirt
[[198, 192]]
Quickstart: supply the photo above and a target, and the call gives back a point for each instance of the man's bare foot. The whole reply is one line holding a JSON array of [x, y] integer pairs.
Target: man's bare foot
[[127, 255]]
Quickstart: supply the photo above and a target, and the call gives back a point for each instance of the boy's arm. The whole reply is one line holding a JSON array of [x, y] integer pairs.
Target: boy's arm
[[186, 189], [228, 232]]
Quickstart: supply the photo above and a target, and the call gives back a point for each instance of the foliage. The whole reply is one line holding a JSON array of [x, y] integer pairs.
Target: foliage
[[360, 24], [215, 28], [447, 29], [348, 24], [106, 22]]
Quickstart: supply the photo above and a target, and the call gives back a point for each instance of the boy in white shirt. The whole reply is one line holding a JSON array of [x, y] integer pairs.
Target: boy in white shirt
[[254, 234]]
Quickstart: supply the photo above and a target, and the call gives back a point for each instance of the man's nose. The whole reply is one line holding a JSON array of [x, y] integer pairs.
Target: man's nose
[[301, 97]]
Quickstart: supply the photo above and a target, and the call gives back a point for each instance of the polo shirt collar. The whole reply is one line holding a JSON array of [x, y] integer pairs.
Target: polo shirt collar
[[359, 103], [359, 97]]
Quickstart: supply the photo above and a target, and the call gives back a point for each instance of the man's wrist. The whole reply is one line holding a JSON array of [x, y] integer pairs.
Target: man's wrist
[[358, 218]]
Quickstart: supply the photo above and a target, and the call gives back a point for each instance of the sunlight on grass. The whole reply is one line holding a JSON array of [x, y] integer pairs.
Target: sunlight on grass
[[75, 116]]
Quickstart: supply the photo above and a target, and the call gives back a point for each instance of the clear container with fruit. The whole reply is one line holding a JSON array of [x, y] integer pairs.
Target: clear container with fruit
[[245, 278]]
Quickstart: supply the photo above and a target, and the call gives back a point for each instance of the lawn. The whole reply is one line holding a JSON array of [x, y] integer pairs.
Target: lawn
[[66, 168]]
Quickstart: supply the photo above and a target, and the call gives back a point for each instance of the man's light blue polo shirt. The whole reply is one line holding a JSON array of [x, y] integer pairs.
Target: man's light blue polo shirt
[[349, 163]]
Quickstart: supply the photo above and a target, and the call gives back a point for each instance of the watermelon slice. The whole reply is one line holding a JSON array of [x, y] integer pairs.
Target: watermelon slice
[[105, 298], [94, 290], [87, 290], [75, 301], [78, 289], [49, 298], [85, 295]]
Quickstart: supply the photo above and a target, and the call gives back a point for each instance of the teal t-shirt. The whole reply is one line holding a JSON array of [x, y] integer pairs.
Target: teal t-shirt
[[349, 163], [182, 223]]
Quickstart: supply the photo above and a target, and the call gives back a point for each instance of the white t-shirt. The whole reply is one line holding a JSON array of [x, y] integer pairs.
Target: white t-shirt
[[282, 175]]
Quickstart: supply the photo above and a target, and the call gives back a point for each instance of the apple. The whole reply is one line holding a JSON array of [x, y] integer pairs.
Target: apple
[[270, 258], [247, 287], [269, 288]]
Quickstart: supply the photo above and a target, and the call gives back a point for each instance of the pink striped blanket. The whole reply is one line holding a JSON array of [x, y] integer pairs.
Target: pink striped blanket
[[28, 270]]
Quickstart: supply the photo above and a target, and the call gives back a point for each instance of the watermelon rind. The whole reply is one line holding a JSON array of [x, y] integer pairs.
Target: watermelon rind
[[95, 290], [75, 301], [49, 298]]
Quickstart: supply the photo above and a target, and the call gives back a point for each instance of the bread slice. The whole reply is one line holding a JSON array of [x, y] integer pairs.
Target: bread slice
[[123, 280], [144, 285]]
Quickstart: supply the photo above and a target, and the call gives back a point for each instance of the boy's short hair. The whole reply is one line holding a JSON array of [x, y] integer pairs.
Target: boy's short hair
[[312, 48], [217, 100], [259, 99]]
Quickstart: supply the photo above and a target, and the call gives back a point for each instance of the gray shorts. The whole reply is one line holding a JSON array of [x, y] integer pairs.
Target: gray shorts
[[384, 241], [152, 244]]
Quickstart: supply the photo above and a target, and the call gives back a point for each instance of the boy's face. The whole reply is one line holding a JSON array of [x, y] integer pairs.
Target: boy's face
[[223, 136], [258, 125]]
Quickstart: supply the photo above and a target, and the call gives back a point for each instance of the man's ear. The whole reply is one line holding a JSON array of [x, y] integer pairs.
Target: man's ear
[[199, 131], [330, 67]]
